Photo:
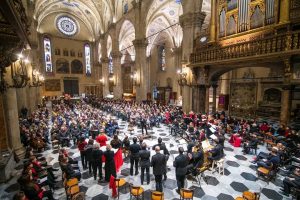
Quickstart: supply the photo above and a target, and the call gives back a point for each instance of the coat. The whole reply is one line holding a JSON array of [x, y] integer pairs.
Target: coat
[[145, 158], [180, 163], [110, 167], [158, 163], [134, 150]]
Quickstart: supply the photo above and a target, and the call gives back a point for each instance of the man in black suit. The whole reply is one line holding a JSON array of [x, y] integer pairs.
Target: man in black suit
[[143, 125], [163, 147], [134, 156], [145, 163], [158, 163], [180, 163]]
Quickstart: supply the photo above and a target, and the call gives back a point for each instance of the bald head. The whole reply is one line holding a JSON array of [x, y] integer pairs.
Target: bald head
[[157, 149]]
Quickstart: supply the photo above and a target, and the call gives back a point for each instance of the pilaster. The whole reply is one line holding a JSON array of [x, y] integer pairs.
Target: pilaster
[[105, 81], [118, 89], [142, 69], [12, 121]]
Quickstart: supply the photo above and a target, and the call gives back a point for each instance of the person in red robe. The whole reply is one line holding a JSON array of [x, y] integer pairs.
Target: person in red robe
[[102, 139]]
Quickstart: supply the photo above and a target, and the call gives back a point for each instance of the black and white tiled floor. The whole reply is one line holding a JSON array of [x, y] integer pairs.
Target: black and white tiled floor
[[240, 175]]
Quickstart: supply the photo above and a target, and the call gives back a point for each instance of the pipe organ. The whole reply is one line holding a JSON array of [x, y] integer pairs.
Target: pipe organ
[[236, 16]]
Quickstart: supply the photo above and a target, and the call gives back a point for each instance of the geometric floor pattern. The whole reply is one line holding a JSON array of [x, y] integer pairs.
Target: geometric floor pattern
[[239, 175]]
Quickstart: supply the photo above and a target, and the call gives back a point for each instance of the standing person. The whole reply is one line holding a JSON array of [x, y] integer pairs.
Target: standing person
[[158, 163], [134, 156], [81, 147], [180, 163], [102, 139], [145, 163], [144, 125], [97, 161], [89, 154], [163, 147], [110, 167]]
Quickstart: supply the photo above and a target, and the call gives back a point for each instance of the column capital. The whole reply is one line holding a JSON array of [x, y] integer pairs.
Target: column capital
[[138, 43], [192, 19], [136, 4], [116, 55], [105, 60]]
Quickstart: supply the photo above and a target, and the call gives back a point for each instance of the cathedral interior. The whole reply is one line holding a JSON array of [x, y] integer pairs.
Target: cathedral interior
[[213, 60]]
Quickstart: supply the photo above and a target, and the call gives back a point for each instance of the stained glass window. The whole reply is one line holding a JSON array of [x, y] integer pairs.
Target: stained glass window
[[125, 6], [87, 53], [48, 57], [110, 65], [67, 25]]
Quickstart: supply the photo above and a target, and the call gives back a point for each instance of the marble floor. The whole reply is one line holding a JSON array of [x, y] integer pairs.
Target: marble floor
[[240, 175]]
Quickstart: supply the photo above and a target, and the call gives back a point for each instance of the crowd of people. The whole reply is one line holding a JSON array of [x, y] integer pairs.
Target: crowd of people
[[92, 125]]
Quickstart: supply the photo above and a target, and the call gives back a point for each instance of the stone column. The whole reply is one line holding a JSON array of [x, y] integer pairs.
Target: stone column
[[105, 82], [284, 11], [118, 89], [12, 121], [177, 63], [22, 98], [286, 93], [202, 98], [191, 23], [141, 68], [212, 37], [225, 84], [207, 99], [214, 106], [285, 111]]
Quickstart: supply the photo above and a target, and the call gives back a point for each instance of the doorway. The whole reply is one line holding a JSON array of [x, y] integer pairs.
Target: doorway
[[71, 87]]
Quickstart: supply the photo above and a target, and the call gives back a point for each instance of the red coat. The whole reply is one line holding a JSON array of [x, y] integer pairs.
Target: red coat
[[82, 145], [102, 139]]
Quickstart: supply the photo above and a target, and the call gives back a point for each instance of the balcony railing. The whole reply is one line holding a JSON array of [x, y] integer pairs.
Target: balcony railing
[[287, 43]]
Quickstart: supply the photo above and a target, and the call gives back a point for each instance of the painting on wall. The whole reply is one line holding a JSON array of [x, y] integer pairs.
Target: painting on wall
[[76, 67], [243, 99], [52, 85], [62, 66], [296, 74]]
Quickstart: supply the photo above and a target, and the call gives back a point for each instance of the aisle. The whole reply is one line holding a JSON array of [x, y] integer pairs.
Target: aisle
[[240, 174]]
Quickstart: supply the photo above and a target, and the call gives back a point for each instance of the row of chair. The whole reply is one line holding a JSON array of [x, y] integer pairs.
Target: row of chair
[[72, 188]]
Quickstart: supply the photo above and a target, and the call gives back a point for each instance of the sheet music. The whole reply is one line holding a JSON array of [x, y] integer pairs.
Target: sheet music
[[213, 136], [206, 144]]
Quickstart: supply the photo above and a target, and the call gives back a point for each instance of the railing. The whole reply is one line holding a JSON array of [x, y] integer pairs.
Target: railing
[[279, 43]]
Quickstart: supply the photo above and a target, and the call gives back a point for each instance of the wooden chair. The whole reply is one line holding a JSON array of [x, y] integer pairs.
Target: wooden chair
[[200, 173], [268, 173], [251, 195], [136, 192], [155, 195], [72, 191], [120, 182], [186, 194]]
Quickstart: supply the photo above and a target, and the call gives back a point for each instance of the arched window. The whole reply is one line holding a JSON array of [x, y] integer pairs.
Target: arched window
[[87, 55], [48, 55], [110, 64], [162, 58]]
